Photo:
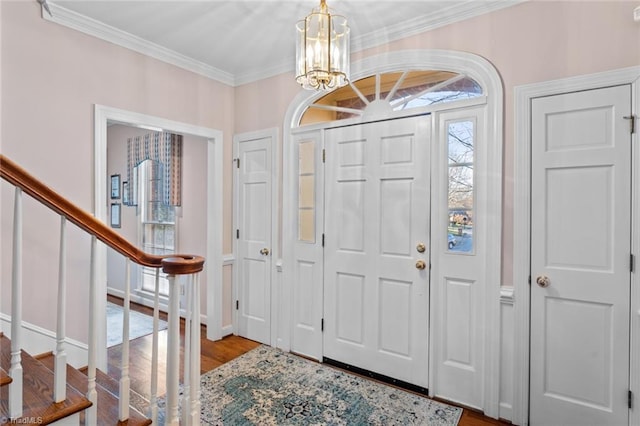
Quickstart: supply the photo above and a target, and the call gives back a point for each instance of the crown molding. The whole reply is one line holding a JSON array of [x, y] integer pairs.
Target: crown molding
[[455, 13], [63, 16]]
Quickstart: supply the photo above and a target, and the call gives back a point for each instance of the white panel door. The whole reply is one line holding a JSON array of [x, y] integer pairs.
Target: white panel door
[[580, 243], [254, 239], [376, 213]]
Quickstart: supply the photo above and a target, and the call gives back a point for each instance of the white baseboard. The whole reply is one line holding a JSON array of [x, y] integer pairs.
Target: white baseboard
[[506, 411], [37, 340], [227, 330]]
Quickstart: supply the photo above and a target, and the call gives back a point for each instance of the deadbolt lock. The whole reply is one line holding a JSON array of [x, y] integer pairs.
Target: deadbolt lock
[[421, 247]]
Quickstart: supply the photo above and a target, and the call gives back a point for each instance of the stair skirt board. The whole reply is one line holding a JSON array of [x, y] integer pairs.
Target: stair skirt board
[[37, 340]]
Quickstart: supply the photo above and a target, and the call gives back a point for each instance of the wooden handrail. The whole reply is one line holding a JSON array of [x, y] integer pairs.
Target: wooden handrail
[[174, 264]]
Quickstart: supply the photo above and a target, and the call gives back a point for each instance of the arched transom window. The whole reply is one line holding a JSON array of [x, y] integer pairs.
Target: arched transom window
[[393, 91]]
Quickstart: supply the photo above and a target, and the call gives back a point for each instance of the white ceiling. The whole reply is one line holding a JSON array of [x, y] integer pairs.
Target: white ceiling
[[239, 41]]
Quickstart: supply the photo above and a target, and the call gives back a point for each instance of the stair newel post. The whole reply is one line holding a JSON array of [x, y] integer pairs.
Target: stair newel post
[[15, 370], [60, 363], [195, 351], [153, 402], [91, 415], [186, 383], [173, 352], [123, 403]]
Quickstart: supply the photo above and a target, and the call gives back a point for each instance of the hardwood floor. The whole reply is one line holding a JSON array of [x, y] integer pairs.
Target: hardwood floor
[[213, 354]]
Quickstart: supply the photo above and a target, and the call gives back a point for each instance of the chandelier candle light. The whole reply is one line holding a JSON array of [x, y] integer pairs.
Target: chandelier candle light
[[322, 50]]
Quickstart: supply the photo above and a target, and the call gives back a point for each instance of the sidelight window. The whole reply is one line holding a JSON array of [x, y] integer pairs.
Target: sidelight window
[[307, 193], [460, 193]]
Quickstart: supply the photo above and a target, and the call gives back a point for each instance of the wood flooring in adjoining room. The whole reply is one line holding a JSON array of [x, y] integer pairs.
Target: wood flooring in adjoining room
[[213, 354]]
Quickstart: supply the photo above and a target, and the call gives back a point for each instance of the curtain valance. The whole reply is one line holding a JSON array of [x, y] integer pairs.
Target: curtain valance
[[164, 148]]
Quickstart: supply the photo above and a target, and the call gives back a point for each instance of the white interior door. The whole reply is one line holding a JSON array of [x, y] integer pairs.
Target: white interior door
[[253, 233], [580, 249], [376, 301]]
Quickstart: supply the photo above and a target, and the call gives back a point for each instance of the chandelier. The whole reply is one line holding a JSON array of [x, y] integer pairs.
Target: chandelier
[[322, 50]]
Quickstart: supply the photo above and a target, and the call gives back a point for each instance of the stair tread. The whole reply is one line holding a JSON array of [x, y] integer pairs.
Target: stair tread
[[5, 379], [107, 390], [38, 390]]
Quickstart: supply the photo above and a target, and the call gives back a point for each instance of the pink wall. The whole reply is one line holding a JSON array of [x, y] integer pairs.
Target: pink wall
[[532, 42], [51, 78]]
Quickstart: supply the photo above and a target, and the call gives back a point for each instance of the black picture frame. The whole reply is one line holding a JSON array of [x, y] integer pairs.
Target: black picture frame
[[115, 187], [115, 216]]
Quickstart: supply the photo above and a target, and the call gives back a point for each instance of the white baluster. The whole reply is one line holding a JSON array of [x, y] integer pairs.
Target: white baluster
[[173, 353], [154, 352], [195, 351], [123, 403], [186, 383], [15, 370], [60, 360], [91, 414]]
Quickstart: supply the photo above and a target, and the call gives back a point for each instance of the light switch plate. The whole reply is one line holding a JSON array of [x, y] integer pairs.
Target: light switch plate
[[636, 14]]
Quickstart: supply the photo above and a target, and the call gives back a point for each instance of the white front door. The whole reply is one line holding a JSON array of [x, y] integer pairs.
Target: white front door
[[253, 303], [376, 300], [580, 258]]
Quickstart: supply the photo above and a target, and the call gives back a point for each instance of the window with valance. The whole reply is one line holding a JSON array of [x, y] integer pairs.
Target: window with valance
[[165, 149]]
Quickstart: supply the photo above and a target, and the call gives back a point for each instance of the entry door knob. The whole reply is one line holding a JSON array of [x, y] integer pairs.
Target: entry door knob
[[543, 281], [420, 264]]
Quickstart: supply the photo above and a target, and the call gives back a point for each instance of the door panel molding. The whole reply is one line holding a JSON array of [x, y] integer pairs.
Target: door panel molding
[[376, 305], [523, 96]]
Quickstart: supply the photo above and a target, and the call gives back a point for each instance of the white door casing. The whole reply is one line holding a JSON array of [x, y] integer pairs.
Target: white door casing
[[254, 200], [376, 300], [103, 115], [580, 249]]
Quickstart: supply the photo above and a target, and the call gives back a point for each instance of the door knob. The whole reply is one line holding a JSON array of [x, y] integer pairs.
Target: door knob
[[543, 281], [420, 264], [264, 251]]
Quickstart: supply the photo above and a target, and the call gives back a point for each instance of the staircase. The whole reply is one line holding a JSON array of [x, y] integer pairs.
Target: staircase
[[44, 389], [38, 405]]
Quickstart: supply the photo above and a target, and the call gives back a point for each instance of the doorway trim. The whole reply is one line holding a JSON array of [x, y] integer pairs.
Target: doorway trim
[[523, 95], [483, 72], [214, 259]]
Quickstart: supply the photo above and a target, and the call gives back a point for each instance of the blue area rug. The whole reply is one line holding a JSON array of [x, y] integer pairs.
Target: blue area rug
[[269, 387], [139, 324]]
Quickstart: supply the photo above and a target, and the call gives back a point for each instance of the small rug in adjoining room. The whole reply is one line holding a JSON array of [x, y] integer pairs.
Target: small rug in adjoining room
[[139, 324], [266, 386]]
